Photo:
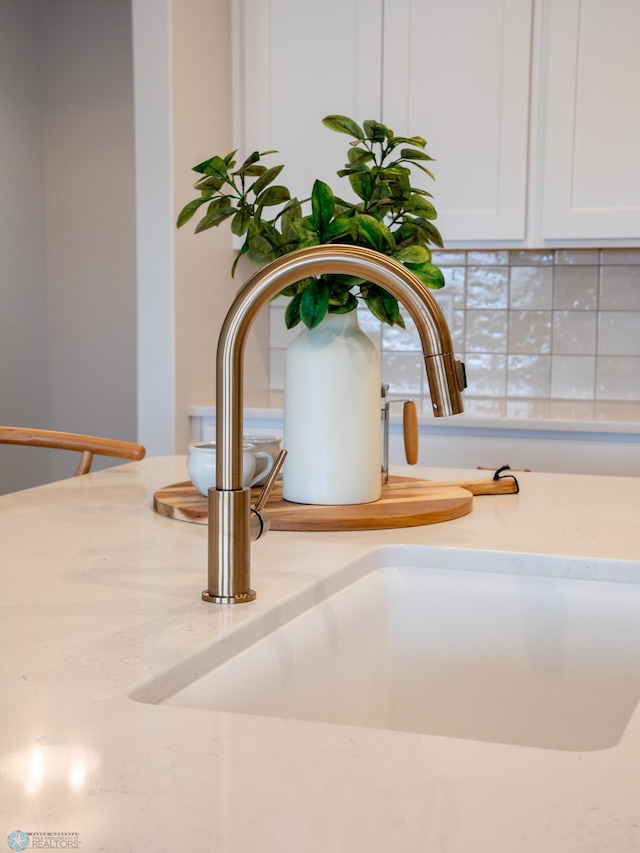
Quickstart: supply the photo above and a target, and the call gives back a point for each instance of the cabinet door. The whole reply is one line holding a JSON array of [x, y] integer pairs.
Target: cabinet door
[[297, 62], [592, 120], [457, 73]]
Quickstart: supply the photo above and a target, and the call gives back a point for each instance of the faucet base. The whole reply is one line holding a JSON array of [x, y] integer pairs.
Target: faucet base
[[228, 599]]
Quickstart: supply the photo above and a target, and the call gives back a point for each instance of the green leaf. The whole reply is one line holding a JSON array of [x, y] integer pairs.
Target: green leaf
[[375, 233], [430, 230], [293, 209], [346, 281], [253, 171], [188, 211], [296, 287], [420, 191], [294, 232], [260, 250], [248, 164], [240, 222], [219, 210], [422, 207], [208, 183], [214, 166], [321, 206], [375, 131], [414, 255], [350, 304], [338, 289], [266, 178], [382, 304], [202, 167], [343, 124], [292, 313], [273, 195], [339, 227], [412, 154], [409, 140], [314, 303], [428, 274], [362, 183], [359, 155]]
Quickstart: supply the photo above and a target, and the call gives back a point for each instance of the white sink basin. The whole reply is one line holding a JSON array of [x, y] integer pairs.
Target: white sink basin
[[499, 655]]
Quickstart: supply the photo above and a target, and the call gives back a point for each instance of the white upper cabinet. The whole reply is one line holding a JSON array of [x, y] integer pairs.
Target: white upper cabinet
[[529, 107], [297, 62], [458, 72], [591, 119], [455, 72]]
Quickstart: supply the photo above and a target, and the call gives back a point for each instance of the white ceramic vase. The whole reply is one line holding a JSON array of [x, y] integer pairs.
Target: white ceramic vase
[[332, 415]]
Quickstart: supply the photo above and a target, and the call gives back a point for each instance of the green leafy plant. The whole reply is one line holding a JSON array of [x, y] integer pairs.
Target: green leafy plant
[[391, 216]]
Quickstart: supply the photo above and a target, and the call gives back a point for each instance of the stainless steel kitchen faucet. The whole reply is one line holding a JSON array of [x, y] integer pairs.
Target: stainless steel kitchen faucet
[[233, 523]]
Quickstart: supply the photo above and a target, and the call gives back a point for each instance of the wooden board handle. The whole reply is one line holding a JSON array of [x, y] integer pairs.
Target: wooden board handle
[[410, 429], [501, 486]]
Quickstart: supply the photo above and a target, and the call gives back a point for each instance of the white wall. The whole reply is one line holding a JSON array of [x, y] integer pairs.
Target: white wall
[[109, 315], [23, 336], [67, 347], [86, 60], [183, 59]]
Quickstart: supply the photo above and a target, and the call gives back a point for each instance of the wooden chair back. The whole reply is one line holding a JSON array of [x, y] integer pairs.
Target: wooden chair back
[[86, 445]]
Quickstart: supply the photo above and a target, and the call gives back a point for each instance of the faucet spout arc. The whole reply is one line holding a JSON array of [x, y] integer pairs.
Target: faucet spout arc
[[229, 532], [312, 261]]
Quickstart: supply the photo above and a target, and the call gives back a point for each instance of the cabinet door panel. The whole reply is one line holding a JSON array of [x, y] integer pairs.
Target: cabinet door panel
[[458, 73], [591, 176], [295, 63]]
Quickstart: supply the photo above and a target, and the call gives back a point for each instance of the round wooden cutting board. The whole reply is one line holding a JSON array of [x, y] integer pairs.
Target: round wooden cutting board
[[405, 502]]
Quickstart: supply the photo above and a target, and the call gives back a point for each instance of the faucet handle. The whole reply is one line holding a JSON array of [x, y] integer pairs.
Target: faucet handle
[[266, 489], [259, 522]]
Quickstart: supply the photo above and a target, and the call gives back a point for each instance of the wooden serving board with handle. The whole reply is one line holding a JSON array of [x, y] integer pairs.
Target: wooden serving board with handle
[[405, 502]]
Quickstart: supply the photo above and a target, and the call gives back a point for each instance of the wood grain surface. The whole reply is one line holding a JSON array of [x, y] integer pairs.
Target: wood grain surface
[[405, 502]]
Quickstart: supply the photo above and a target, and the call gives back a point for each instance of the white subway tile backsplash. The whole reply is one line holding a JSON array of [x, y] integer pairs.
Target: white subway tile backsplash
[[530, 332], [575, 288], [618, 378], [574, 332], [403, 372], [459, 330], [619, 333], [625, 257], [573, 377], [530, 257], [486, 375], [528, 376], [620, 288], [487, 257], [556, 328], [531, 287], [488, 287], [455, 282], [577, 256], [395, 338], [450, 259], [487, 331]]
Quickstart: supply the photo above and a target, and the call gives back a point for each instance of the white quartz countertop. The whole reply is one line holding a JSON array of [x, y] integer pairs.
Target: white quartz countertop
[[100, 594]]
